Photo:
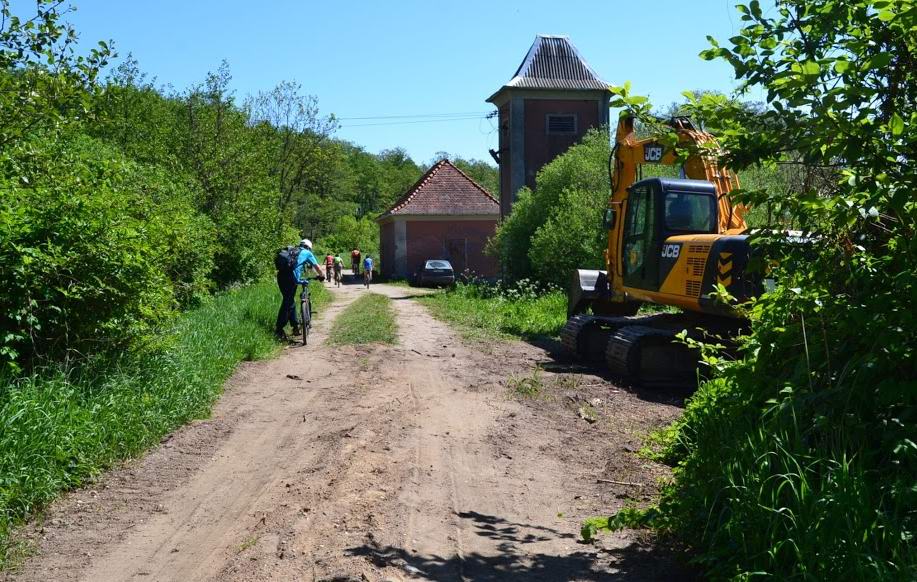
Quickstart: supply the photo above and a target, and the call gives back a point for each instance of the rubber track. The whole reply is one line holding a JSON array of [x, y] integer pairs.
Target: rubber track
[[622, 355], [569, 335]]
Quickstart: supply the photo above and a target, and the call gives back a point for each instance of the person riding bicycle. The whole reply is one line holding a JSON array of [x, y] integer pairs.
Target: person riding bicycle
[[329, 265], [355, 261], [288, 280], [367, 270], [338, 268]]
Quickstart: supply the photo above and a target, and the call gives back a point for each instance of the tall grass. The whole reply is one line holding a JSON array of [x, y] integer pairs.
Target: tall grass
[[369, 319], [60, 428], [487, 312]]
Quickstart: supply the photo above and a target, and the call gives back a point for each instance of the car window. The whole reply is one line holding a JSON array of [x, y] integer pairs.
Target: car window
[[438, 265]]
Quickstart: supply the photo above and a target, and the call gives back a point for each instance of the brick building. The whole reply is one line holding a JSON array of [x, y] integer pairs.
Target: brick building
[[445, 215], [550, 103]]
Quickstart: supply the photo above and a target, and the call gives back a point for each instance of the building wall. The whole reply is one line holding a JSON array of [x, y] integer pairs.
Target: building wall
[[541, 148], [387, 248], [431, 239], [506, 194]]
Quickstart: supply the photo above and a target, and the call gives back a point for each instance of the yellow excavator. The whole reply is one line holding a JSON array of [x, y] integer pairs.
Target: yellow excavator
[[670, 242]]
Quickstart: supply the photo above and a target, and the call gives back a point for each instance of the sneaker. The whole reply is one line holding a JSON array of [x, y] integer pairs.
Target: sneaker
[[296, 330], [280, 335]]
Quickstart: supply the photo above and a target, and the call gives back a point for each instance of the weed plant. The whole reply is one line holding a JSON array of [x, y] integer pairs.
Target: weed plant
[[482, 311]]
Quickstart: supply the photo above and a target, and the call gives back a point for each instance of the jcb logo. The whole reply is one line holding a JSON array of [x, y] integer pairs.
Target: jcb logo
[[652, 152], [670, 251]]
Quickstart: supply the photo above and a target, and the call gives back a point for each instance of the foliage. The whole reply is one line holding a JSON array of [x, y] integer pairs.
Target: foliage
[[558, 227], [369, 319], [798, 460], [62, 427], [485, 312], [44, 84], [96, 250], [353, 233]]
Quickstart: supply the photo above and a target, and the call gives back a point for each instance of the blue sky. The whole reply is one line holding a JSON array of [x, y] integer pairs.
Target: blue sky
[[407, 57]]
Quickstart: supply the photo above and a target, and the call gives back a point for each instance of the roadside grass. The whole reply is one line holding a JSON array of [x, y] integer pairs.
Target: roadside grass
[[61, 428], [369, 319], [482, 317]]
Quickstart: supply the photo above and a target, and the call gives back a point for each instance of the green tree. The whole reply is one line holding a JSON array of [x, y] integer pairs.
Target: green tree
[[558, 227], [797, 461]]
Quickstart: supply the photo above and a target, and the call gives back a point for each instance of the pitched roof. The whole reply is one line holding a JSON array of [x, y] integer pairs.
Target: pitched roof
[[553, 62], [445, 190]]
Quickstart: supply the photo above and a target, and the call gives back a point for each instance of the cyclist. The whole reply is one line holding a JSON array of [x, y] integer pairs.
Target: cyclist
[[367, 270], [329, 266], [338, 269], [355, 261]]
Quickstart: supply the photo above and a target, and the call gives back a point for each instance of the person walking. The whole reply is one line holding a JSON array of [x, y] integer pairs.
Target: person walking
[[291, 262]]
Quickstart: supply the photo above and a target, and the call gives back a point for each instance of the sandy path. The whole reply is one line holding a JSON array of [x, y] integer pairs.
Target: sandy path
[[376, 462]]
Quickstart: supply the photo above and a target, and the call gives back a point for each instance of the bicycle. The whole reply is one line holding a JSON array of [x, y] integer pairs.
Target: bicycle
[[337, 276], [367, 277], [305, 311]]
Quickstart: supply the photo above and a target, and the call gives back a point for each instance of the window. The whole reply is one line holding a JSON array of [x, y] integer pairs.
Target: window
[[690, 212], [438, 265], [561, 124], [638, 232]]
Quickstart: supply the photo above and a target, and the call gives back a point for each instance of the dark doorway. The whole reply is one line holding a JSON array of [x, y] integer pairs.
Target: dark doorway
[[455, 252]]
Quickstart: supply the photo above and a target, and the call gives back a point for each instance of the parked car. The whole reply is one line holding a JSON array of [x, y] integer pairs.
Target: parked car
[[435, 272]]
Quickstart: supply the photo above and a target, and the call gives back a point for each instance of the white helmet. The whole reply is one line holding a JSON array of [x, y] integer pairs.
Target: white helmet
[[306, 243]]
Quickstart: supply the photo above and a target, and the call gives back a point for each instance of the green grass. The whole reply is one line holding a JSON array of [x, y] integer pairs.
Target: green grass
[[61, 428], [369, 319], [480, 317]]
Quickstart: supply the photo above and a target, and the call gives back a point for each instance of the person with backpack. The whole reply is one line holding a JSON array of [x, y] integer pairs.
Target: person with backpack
[[290, 263]]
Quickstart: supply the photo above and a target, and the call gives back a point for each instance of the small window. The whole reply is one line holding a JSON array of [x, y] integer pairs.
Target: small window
[[561, 124], [690, 212]]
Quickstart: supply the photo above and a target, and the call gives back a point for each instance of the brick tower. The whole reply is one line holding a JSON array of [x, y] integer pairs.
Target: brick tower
[[550, 103]]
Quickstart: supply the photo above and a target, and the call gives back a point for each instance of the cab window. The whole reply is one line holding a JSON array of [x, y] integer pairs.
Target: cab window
[[690, 212]]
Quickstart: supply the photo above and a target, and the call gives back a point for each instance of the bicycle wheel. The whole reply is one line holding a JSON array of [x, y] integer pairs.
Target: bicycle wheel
[[305, 306]]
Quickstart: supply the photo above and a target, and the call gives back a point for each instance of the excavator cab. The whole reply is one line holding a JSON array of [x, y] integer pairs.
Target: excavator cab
[[656, 210]]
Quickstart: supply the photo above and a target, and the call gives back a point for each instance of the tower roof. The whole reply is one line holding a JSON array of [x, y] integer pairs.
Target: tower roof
[[553, 62], [445, 190]]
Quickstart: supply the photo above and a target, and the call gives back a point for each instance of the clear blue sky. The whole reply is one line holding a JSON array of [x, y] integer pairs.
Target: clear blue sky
[[409, 57]]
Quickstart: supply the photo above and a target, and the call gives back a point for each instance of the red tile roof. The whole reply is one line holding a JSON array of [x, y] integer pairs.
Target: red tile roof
[[445, 190]]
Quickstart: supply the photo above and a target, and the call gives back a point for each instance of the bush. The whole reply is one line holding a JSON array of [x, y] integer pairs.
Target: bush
[[558, 227], [95, 251]]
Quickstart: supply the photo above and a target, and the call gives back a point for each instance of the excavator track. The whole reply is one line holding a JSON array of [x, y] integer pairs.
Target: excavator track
[[642, 350], [650, 356]]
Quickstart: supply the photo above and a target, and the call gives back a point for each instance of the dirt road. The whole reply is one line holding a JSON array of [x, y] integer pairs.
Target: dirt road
[[414, 461]]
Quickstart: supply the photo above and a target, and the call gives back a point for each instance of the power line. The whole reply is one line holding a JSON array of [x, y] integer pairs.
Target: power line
[[467, 118], [410, 116]]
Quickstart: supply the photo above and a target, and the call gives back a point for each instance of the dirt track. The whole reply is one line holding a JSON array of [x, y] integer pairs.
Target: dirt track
[[413, 461]]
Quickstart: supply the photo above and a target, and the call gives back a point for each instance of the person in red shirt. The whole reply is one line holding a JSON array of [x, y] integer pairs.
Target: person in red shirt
[[355, 261], [329, 266]]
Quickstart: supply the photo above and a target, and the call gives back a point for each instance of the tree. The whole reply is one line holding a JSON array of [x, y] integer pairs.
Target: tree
[[798, 460]]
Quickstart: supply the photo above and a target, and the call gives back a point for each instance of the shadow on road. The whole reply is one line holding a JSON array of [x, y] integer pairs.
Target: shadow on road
[[516, 562]]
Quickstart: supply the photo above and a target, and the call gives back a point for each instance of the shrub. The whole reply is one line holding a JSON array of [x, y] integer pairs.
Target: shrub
[[95, 251], [558, 227]]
